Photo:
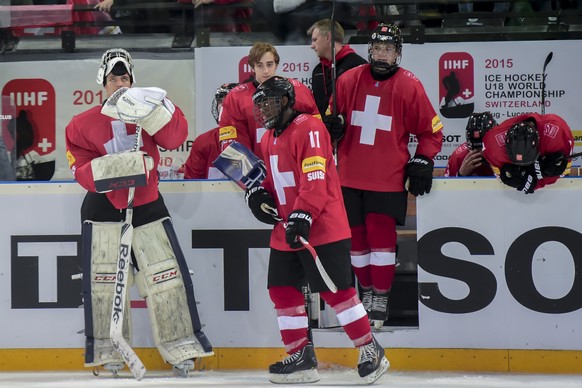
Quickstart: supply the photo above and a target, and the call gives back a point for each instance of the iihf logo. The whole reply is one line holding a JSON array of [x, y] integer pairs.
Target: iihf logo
[[457, 87]]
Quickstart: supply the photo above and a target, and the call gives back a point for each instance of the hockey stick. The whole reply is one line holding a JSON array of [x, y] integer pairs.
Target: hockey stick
[[574, 156], [548, 60], [244, 168], [116, 328], [333, 77]]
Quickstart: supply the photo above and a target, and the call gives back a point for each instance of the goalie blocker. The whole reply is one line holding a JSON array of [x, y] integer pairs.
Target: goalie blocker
[[162, 279]]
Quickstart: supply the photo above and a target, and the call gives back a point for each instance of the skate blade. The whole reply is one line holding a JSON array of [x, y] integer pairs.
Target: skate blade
[[304, 376], [372, 377]]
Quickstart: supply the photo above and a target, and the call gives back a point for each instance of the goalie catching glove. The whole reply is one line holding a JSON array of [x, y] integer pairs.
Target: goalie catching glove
[[419, 175], [262, 205], [298, 225], [121, 171], [146, 107]]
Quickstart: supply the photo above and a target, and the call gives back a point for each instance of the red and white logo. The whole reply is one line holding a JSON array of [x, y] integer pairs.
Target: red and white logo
[[456, 85], [244, 69]]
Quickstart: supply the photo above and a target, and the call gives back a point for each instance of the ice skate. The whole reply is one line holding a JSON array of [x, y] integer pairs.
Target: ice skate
[[114, 367], [372, 363], [299, 367], [183, 368], [379, 312], [366, 298]]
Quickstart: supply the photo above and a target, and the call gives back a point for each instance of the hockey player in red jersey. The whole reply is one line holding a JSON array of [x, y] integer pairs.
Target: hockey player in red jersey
[[206, 147], [106, 159], [467, 159], [529, 151], [380, 106], [237, 121], [302, 188]]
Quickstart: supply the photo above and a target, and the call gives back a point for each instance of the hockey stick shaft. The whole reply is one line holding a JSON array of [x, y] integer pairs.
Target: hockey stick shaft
[[575, 155], [324, 275], [546, 62], [123, 262]]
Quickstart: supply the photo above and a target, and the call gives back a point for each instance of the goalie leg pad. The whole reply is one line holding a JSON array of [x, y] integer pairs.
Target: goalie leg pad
[[101, 245], [164, 280]]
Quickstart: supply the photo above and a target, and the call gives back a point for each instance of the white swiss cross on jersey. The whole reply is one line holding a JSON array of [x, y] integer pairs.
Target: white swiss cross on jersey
[[370, 120], [281, 179]]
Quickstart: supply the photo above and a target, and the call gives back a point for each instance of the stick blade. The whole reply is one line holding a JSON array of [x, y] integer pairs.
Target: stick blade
[[133, 362]]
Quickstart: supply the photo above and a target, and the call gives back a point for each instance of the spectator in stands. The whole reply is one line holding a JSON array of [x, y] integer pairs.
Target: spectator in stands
[[224, 19], [289, 19], [467, 159], [345, 59], [529, 151], [206, 147]]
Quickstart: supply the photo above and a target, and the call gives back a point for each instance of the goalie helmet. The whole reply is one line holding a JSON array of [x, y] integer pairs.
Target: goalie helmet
[[219, 96], [385, 34], [477, 126], [268, 101], [521, 143], [111, 58]]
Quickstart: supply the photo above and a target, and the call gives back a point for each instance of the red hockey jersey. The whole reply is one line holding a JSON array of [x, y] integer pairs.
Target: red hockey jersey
[[301, 175], [91, 134], [380, 117], [237, 120], [554, 136]]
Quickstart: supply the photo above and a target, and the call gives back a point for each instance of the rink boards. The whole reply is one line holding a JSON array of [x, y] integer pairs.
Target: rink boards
[[498, 282]]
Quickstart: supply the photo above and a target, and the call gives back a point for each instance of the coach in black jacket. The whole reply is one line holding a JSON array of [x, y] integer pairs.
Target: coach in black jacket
[[345, 58]]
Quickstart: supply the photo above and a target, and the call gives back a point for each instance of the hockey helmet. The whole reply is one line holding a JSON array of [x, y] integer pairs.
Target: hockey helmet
[[110, 59], [221, 92], [268, 101], [387, 34], [477, 126], [521, 143]]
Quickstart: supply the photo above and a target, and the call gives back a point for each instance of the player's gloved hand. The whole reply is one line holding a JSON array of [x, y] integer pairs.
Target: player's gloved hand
[[298, 224], [522, 178], [336, 126], [553, 164], [419, 175], [262, 205]]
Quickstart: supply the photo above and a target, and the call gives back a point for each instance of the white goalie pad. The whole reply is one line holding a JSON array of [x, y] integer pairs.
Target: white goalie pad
[[121, 171], [161, 282], [147, 107], [100, 271]]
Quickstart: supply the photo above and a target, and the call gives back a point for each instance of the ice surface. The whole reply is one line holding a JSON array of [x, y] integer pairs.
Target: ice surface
[[329, 378]]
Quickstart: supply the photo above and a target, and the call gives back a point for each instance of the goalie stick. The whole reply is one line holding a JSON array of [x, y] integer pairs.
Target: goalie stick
[[117, 312], [244, 168]]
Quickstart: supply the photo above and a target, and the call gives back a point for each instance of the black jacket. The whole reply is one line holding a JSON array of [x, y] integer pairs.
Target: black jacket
[[346, 59]]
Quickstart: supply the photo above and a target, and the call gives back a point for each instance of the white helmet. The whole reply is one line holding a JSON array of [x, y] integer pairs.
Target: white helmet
[[109, 59]]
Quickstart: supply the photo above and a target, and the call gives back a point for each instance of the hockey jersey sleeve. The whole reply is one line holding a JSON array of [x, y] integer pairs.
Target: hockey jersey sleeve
[[304, 100], [200, 157], [234, 124]]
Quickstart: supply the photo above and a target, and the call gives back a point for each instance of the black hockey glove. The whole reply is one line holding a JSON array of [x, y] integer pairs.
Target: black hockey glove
[[553, 164], [299, 224], [419, 175], [262, 205], [336, 126], [522, 178]]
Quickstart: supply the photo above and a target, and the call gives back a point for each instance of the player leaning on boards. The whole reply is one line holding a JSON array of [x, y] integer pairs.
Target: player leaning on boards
[[380, 105], [98, 143], [529, 151], [467, 159], [303, 186]]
